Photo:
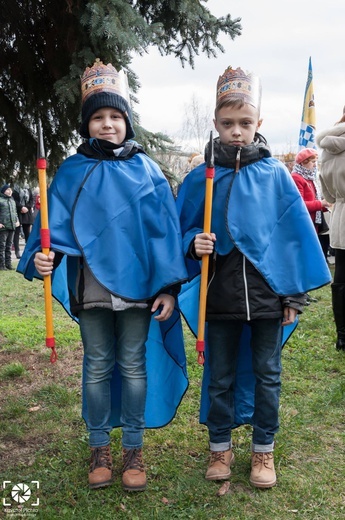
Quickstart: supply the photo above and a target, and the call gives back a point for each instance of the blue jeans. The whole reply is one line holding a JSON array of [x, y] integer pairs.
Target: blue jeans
[[98, 329], [224, 337]]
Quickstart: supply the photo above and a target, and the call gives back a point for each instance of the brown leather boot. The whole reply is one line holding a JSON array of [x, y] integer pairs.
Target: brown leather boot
[[263, 474], [219, 466], [101, 465], [133, 472]]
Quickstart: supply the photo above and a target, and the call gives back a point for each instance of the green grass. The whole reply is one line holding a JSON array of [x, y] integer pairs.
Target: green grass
[[12, 370], [43, 438]]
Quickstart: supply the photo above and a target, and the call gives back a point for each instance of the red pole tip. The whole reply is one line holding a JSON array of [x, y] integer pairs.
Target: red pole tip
[[41, 164], [210, 173], [200, 345], [50, 342], [53, 356], [201, 358]]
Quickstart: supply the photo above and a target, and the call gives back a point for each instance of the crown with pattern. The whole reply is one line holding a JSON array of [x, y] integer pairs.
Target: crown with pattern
[[103, 86], [103, 78], [236, 84]]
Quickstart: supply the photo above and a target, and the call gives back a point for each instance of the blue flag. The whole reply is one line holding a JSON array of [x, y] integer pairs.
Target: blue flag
[[308, 123]]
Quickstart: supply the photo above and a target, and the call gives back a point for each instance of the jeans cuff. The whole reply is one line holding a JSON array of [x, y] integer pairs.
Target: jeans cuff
[[128, 448], [263, 448], [220, 446], [98, 445]]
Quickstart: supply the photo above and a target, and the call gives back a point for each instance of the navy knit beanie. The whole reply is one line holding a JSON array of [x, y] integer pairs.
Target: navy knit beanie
[[102, 100], [4, 188]]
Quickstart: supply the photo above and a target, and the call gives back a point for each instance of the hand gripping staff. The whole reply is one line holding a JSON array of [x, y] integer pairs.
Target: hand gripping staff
[[209, 174], [45, 242]]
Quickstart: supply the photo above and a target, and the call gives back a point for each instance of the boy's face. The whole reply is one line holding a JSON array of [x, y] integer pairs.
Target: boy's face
[[237, 126], [109, 124], [8, 192]]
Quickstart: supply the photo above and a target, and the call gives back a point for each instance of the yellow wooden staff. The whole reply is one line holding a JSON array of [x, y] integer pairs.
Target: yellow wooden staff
[[209, 174], [45, 241]]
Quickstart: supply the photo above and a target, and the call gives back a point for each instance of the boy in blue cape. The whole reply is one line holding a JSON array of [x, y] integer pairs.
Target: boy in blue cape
[[265, 257], [116, 260]]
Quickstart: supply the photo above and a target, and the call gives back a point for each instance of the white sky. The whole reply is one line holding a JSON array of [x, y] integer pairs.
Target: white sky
[[278, 36]]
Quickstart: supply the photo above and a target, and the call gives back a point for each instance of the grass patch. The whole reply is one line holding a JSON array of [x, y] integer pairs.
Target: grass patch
[[12, 370], [43, 437]]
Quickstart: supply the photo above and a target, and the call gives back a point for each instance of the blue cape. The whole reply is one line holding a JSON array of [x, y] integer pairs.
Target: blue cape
[[265, 218], [120, 216], [260, 211], [108, 211]]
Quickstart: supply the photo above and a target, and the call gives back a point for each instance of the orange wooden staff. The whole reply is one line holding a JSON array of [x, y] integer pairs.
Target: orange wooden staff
[[209, 174], [45, 241]]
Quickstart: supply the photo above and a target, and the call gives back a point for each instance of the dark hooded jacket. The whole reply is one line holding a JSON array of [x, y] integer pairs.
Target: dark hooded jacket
[[8, 213]]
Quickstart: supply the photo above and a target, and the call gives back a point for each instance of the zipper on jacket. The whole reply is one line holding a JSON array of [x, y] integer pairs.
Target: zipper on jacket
[[214, 259], [246, 288], [238, 160], [10, 207]]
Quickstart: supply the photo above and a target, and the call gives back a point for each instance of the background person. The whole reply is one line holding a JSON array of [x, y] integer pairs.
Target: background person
[[24, 199], [332, 178], [197, 159], [37, 201], [304, 174], [289, 161], [8, 223]]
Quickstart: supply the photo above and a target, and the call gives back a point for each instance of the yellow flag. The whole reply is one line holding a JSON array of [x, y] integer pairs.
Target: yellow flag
[[308, 123]]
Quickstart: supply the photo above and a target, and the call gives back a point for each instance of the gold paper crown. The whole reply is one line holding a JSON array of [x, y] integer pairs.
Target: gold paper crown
[[236, 84], [104, 78]]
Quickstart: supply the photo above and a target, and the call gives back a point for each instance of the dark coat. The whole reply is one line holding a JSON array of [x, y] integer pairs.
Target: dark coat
[[24, 198]]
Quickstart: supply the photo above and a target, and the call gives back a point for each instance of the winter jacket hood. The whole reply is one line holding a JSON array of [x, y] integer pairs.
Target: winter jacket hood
[[332, 140]]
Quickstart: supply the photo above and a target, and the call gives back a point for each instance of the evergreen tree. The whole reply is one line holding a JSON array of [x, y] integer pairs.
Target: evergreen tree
[[46, 45]]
